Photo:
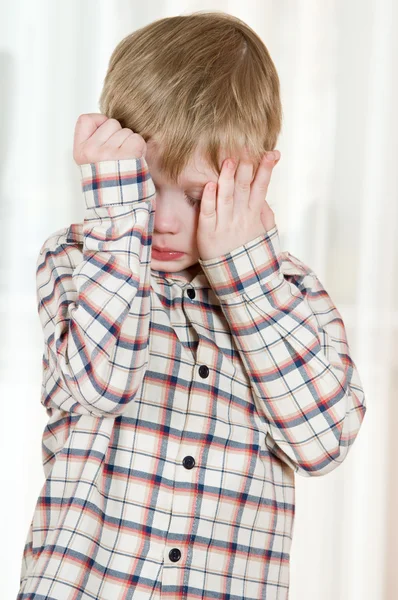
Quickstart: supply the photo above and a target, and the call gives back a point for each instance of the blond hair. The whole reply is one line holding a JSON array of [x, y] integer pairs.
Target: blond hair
[[203, 79]]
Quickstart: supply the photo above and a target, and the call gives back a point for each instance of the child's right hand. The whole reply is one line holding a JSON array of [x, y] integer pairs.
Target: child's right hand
[[97, 137]]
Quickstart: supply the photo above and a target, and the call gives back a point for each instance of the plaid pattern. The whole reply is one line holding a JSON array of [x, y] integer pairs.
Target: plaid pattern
[[178, 412]]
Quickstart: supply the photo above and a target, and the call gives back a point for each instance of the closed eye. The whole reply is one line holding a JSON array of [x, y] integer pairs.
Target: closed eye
[[192, 201]]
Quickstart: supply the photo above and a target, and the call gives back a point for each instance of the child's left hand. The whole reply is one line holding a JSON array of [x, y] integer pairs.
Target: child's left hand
[[237, 212]]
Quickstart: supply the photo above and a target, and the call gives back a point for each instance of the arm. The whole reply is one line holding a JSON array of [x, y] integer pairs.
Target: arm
[[293, 344], [95, 316]]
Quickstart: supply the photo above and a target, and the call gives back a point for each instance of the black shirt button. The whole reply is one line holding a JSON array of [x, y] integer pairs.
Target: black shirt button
[[188, 462], [174, 554], [191, 293], [203, 371]]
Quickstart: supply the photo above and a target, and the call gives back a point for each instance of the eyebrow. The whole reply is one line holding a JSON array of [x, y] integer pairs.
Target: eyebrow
[[192, 183], [197, 184]]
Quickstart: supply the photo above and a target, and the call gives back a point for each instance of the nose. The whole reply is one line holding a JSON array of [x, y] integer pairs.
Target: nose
[[167, 219]]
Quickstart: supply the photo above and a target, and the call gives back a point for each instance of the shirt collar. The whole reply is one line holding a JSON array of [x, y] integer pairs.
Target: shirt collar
[[198, 281]]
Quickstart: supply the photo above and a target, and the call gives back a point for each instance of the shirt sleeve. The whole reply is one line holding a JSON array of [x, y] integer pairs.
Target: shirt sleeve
[[293, 344], [95, 311]]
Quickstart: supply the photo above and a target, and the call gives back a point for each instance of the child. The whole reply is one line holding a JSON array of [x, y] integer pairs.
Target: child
[[186, 389]]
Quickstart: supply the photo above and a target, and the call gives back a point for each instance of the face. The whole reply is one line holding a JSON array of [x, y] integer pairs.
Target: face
[[177, 210]]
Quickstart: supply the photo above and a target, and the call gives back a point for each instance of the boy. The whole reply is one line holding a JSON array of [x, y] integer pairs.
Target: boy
[[184, 388]]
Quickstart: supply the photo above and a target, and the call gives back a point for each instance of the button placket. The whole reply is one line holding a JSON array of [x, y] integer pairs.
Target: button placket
[[188, 462]]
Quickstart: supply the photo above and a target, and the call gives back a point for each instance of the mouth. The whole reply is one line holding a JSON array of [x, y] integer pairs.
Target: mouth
[[166, 253]]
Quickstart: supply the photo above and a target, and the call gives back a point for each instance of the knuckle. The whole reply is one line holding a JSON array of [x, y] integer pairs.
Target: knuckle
[[138, 142], [136, 148], [262, 186], [114, 122], [138, 138], [243, 186]]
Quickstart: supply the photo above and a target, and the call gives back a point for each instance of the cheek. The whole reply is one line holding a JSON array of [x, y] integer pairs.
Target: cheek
[[195, 215], [190, 220], [189, 213]]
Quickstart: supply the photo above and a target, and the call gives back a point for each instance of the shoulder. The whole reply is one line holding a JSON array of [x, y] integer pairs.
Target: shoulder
[[303, 277], [294, 267]]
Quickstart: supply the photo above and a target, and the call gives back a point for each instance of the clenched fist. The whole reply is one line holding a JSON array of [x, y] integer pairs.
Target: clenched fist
[[97, 137]]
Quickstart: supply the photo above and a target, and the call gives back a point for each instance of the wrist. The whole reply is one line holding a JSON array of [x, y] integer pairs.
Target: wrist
[[118, 181]]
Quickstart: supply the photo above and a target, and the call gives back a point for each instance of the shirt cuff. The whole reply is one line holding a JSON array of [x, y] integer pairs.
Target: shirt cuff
[[110, 182], [253, 268]]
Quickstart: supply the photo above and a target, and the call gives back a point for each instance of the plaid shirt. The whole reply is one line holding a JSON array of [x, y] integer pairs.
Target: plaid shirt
[[178, 411]]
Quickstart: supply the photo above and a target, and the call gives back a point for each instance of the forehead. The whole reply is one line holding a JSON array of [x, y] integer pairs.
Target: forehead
[[196, 172]]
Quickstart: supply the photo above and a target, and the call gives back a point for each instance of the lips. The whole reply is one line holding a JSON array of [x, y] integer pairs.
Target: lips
[[165, 249], [166, 254]]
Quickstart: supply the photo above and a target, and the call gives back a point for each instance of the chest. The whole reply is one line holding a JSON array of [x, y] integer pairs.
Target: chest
[[191, 324]]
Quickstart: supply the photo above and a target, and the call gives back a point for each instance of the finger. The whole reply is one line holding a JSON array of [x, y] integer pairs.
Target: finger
[[243, 179], [86, 125], [134, 145], [225, 192], [277, 155], [208, 208], [259, 187], [119, 137], [105, 131]]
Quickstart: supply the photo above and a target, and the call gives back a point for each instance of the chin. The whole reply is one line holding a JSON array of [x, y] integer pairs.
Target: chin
[[178, 264], [172, 265]]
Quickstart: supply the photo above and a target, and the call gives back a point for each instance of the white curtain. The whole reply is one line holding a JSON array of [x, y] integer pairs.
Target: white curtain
[[334, 194]]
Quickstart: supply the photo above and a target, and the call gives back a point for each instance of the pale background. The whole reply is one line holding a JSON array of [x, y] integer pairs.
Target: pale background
[[334, 194]]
